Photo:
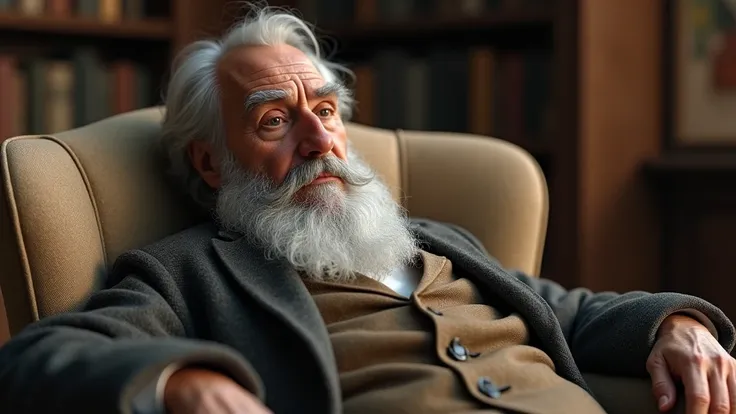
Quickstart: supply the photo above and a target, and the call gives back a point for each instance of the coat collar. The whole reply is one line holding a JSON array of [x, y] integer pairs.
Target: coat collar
[[279, 289]]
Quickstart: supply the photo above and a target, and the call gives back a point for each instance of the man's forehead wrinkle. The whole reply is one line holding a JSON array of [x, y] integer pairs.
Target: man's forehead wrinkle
[[281, 78], [303, 67]]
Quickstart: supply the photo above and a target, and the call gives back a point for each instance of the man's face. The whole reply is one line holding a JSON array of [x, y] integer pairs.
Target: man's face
[[279, 112], [284, 178]]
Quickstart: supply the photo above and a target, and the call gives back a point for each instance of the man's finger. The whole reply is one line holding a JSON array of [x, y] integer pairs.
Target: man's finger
[[719, 394], [663, 387], [697, 392], [731, 381]]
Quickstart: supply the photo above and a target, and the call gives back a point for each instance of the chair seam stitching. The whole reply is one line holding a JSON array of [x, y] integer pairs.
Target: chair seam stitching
[[88, 187], [16, 223]]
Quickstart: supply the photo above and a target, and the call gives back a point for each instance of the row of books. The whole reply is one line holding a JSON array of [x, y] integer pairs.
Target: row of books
[[104, 10], [480, 90], [51, 95], [369, 11]]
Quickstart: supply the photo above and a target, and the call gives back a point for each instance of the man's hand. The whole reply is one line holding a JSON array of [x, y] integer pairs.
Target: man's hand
[[685, 350], [199, 391]]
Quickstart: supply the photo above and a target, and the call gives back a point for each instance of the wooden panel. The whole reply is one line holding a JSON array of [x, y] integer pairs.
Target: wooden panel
[[620, 58]]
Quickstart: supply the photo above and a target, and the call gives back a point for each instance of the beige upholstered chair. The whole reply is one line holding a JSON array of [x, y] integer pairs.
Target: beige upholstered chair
[[72, 202]]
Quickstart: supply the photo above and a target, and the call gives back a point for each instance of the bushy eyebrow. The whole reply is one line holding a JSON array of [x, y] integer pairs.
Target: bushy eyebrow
[[258, 98], [331, 88]]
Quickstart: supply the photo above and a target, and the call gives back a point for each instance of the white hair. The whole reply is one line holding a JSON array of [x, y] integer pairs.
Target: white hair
[[192, 99]]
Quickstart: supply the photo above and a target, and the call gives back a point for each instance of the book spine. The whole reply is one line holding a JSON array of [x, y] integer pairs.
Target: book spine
[[20, 93], [87, 8], [6, 5], [123, 87], [133, 9], [481, 91], [32, 7], [364, 95], [390, 66], [417, 94], [59, 7], [59, 100], [110, 10], [7, 97], [143, 87], [36, 96]]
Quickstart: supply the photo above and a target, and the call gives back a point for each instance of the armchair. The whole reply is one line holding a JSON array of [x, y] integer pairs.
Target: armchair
[[74, 201]]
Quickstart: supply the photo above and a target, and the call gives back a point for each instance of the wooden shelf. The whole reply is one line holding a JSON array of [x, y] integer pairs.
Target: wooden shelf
[[513, 19], [146, 29], [693, 163]]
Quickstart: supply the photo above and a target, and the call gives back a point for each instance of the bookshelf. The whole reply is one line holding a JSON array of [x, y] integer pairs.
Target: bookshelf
[[151, 29], [65, 63]]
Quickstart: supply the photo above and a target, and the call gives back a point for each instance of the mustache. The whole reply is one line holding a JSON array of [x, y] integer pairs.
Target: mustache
[[303, 174]]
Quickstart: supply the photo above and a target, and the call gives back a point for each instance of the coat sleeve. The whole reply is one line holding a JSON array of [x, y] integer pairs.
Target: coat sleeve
[[611, 333], [96, 360]]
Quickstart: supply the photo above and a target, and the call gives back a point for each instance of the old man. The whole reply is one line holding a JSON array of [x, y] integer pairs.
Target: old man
[[311, 292]]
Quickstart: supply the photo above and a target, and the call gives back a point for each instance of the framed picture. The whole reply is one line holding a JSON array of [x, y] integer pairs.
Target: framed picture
[[704, 60]]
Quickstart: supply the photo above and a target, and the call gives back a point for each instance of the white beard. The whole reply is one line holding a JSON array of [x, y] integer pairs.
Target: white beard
[[332, 233]]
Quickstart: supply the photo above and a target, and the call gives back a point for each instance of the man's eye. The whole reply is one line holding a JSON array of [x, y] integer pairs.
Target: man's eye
[[275, 121], [325, 112]]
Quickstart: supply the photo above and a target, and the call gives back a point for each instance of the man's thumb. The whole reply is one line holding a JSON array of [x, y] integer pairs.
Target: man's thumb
[[663, 387]]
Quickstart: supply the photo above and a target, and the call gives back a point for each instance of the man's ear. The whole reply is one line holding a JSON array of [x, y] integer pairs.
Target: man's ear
[[205, 161]]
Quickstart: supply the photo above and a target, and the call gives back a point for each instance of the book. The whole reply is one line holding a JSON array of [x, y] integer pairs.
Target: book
[[390, 80], [91, 99], [482, 80], [8, 104], [133, 9], [417, 93], [364, 95], [59, 7], [87, 8], [448, 104], [36, 119], [123, 86], [143, 85], [6, 5], [31, 7], [110, 10], [59, 100]]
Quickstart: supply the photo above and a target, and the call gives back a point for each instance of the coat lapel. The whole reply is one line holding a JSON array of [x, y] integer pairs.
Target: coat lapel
[[279, 289], [529, 304]]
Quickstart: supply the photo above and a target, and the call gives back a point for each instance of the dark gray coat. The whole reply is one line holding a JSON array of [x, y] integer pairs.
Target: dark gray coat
[[203, 297]]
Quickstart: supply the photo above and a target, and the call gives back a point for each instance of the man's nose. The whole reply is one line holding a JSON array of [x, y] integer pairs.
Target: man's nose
[[315, 140]]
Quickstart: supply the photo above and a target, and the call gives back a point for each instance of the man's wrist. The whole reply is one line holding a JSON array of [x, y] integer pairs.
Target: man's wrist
[[150, 400], [678, 321]]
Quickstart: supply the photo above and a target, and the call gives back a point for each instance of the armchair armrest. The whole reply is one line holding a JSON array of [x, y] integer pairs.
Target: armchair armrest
[[622, 395]]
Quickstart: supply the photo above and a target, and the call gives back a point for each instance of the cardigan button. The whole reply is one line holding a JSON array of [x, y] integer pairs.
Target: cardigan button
[[457, 351], [489, 389]]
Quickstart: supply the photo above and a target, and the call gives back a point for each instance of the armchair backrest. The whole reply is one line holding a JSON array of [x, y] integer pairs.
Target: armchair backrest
[[72, 202]]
